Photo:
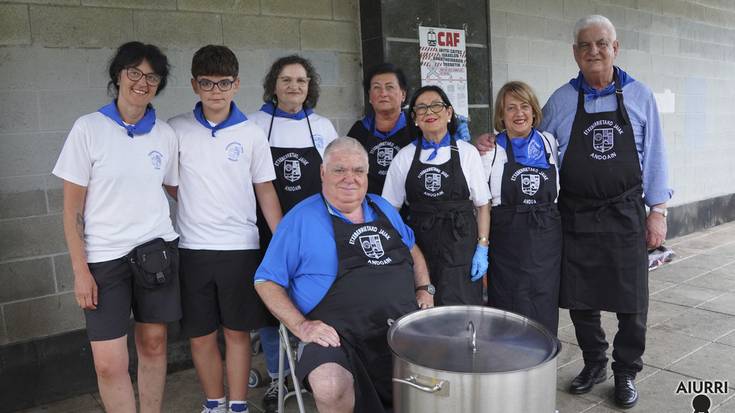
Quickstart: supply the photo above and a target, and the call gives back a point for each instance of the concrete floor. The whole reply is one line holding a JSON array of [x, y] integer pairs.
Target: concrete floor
[[691, 337]]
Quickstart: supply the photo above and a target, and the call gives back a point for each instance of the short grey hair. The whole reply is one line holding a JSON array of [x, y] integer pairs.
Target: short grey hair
[[345, 144], [594, 20]]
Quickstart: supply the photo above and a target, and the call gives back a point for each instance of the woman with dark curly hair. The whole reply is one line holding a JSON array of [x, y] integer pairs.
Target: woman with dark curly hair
[[297, 137], [122, 245]]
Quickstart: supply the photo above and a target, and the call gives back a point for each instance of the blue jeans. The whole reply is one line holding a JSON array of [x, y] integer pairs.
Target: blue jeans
[[269, 340]]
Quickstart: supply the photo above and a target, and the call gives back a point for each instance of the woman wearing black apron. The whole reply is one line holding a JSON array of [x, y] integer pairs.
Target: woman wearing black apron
[[525, 230], [297, 137], [386, 130], [444, 185]]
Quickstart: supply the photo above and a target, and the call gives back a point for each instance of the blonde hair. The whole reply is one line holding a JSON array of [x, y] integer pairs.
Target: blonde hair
[[522, 92]]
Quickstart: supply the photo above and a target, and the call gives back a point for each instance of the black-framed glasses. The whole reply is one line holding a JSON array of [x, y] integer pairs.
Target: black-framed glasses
[[134, 74], [223, 85], [436, 107]]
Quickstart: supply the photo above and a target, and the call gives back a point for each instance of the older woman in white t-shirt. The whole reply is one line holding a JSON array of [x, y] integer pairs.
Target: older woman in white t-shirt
[[525, 226], [113, 164]]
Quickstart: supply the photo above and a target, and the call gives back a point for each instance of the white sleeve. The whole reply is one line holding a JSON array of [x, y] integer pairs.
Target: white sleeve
[[171, 178], [475, 175], [74, 163], [394, 189], [261, 164], [496, 176], [553, 147]]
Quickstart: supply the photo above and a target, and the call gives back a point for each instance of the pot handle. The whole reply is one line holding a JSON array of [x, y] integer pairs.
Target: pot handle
[[413, 382]]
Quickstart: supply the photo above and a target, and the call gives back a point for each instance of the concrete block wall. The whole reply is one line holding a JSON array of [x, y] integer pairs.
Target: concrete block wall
[[53, 56], [686, 47]]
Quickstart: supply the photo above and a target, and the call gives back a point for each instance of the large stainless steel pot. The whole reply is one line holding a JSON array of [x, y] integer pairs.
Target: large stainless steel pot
[[465, 359]]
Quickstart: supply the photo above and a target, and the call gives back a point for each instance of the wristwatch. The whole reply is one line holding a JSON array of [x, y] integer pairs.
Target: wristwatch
[[429, 288], [662, 211]]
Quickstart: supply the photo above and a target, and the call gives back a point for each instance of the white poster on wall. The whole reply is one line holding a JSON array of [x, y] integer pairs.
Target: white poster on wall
[[444, 63]]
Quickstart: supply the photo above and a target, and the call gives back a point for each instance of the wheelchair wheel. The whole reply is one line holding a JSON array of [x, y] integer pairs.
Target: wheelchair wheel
[[255, 379]]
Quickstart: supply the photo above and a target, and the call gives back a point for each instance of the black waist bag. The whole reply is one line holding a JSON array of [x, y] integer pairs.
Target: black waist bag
[[153, 263]]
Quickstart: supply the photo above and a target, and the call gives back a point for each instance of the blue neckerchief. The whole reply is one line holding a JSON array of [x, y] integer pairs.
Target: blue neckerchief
[[528, 151], [233, 118], [367, 213], [368, 122], [427, 144], [269, 108], [591, 93], [144, 125]]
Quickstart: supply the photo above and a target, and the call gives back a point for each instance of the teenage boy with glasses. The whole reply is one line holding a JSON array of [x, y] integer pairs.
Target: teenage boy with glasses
[[225, 164]]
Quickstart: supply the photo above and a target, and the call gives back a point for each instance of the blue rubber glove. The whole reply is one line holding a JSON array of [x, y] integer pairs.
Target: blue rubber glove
[[463, 131], [479, 262]]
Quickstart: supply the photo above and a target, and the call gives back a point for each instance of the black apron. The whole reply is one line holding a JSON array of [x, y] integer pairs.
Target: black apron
[[525, 233], [380, 151], [442, 217], [375, 282], [297, 178], [605, 262]]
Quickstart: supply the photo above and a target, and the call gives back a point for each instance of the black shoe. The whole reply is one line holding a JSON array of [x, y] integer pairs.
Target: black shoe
[[626, 395], [270, 398], [590, 375]]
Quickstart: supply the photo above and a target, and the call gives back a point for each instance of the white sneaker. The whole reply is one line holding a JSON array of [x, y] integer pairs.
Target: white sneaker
[[214, 407], [238, 408]]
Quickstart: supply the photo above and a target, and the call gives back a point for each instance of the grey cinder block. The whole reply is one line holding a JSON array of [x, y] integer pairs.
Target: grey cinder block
[[26, 279], [42, 317]]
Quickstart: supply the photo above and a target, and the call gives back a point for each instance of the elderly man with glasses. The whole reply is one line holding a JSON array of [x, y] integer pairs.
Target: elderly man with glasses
[[341, 264]]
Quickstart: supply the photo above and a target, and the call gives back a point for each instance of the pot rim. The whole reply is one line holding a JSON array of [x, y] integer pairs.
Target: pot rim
[[552, 358]]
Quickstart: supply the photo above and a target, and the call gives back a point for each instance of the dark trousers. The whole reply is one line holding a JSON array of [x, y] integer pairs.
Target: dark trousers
[[628, 346]]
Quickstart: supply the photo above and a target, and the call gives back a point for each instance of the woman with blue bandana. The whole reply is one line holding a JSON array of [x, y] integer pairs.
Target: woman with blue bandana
[[113, 164], [443, 183], [297, 137], [525, 226], [386, 128]]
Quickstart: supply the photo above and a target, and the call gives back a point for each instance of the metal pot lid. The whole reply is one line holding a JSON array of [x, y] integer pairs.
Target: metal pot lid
[[440, 338]]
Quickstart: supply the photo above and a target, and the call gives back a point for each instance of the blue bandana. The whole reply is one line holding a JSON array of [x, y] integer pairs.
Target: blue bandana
[[427, 144], [233, 118], [528, 151], [269, 108], [144, 125], [368, 122], [591, 93]]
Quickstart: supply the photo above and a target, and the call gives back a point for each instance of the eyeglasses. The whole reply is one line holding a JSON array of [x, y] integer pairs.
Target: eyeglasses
[[301, 81], [342, 171], [421, 110], [223, 85], [152, 79]]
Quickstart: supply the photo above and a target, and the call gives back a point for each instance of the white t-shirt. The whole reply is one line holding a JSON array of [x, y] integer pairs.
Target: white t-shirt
[[494, 172], [216, 199], [394, 189], [292, 133], [125, 203]]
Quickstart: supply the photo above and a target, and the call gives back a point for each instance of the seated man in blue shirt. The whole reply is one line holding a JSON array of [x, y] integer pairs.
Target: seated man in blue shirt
[[340, 264]]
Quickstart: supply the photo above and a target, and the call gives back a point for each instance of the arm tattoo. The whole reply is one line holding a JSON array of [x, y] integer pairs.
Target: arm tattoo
[[80, 225]]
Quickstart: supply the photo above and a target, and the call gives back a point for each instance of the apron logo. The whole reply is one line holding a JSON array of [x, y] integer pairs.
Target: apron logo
[[233, 151], [432, 181], [530, 184], [385, 156], [156, 159], [602, 139], [371, 246], [318, 141], [292, 170]]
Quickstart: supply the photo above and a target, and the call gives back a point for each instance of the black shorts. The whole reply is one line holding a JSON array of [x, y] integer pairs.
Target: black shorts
[[118, 294], [217, 289], [313, 355]]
